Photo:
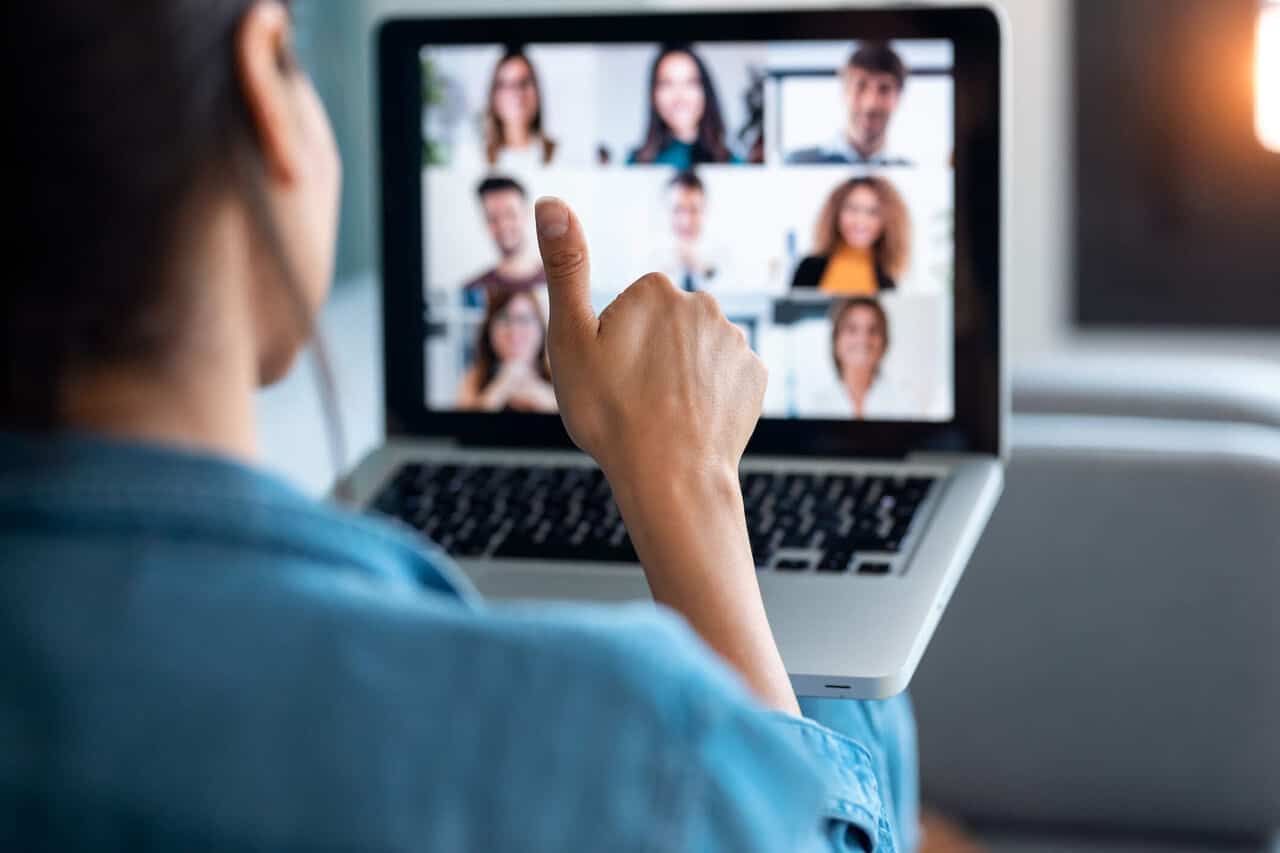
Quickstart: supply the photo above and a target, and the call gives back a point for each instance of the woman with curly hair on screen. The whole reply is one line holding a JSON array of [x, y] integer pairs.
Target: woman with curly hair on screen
[[862, 244]]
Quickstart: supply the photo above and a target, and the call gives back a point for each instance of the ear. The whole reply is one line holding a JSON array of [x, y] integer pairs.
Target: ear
[[264, 64]]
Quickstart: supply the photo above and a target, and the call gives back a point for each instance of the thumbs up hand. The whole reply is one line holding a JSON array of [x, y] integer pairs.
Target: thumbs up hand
[[664, 392], [660, 381]]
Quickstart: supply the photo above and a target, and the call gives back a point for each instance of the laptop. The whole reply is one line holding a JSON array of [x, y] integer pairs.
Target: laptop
[[833, 177]]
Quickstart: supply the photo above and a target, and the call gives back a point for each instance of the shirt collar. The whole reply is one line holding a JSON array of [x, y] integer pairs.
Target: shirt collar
[[841, 145]]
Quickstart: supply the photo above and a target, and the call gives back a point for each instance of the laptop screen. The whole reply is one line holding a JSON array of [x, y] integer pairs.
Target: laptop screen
[[808, 185]]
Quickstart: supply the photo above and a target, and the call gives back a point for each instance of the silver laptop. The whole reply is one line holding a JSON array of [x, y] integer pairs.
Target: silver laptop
[[834, 178]]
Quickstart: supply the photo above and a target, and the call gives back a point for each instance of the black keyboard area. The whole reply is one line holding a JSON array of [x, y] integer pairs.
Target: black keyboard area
[[797, 522]]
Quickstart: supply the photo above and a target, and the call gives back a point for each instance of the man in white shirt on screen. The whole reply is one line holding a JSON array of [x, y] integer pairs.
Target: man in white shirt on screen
[[871, 82], [687, 259]]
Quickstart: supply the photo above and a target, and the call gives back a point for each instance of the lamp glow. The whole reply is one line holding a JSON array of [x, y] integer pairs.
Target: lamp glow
[[1267, 76]]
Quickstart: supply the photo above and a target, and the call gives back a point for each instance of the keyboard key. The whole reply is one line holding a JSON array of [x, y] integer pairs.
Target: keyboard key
[[520, 547], [835, 561]]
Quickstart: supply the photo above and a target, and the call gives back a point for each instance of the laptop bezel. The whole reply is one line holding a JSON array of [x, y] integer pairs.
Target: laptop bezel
[[975, 32]]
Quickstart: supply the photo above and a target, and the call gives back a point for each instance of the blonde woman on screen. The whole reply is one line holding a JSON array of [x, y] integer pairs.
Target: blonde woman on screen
[[859, 342]]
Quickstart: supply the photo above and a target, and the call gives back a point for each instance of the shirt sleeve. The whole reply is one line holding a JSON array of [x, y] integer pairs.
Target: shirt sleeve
[[886, 731], [748, 779], [844, 809]]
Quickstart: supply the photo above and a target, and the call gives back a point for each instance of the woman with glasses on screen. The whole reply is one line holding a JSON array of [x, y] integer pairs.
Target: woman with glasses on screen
[[510, 371], [862, 244], [685, 125], [198, 657], [513, 139]]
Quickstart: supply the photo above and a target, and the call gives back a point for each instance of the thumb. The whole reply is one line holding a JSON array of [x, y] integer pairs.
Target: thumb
[[568, 270]]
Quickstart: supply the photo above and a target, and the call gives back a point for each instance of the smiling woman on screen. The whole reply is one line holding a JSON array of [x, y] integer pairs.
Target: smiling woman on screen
[[859, 342], [510, 372], [685, 124], [513, 134], [862, 243]]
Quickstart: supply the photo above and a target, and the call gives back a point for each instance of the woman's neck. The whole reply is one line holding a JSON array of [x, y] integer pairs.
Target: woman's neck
[[857, 381], [687, 136], [853, 251], [209, 412], [517, 135]]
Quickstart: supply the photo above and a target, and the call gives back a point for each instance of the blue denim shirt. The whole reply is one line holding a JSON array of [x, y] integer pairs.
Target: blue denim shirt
[[196, 656]]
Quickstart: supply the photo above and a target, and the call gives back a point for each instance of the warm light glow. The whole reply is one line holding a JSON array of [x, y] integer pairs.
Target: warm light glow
[[1267, 75]]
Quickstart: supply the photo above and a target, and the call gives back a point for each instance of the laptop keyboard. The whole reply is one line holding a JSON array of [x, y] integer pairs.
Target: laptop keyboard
[[797, 522]]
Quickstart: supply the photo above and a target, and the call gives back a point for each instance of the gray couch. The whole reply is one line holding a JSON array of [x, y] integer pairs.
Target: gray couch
[[1107, 677]]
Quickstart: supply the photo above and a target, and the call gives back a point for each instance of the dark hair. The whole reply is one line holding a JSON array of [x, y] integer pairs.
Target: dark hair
[[843, 307], [494, 140], [877, 57], [688, 180], [498, 184], [709, 146], [487, 363], [127, 115]]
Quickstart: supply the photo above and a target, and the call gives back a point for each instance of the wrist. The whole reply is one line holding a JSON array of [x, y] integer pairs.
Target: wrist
[[676, 481], [689, 528]]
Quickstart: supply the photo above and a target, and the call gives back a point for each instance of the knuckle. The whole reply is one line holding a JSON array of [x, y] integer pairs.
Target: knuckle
[[760, 373], [606, 316], [656, 282], [761, 369]]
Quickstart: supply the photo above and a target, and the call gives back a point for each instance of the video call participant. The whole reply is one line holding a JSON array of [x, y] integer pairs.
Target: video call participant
[[687, 260], [871, 82], [862, 244], [513, 137], [510, 372], [859, 341], [686, 126], [506, 214]]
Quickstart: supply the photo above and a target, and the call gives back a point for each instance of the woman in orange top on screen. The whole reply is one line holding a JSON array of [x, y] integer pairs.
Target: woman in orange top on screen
[[511, 371], [862, 243]]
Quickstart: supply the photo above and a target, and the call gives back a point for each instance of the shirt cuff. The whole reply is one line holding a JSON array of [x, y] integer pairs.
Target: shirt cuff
[[852, 794]]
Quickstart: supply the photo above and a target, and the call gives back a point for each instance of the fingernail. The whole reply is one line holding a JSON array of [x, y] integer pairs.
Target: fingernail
[[552, 217]]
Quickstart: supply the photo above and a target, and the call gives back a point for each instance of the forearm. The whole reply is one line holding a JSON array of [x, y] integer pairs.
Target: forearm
[[690, 533]]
